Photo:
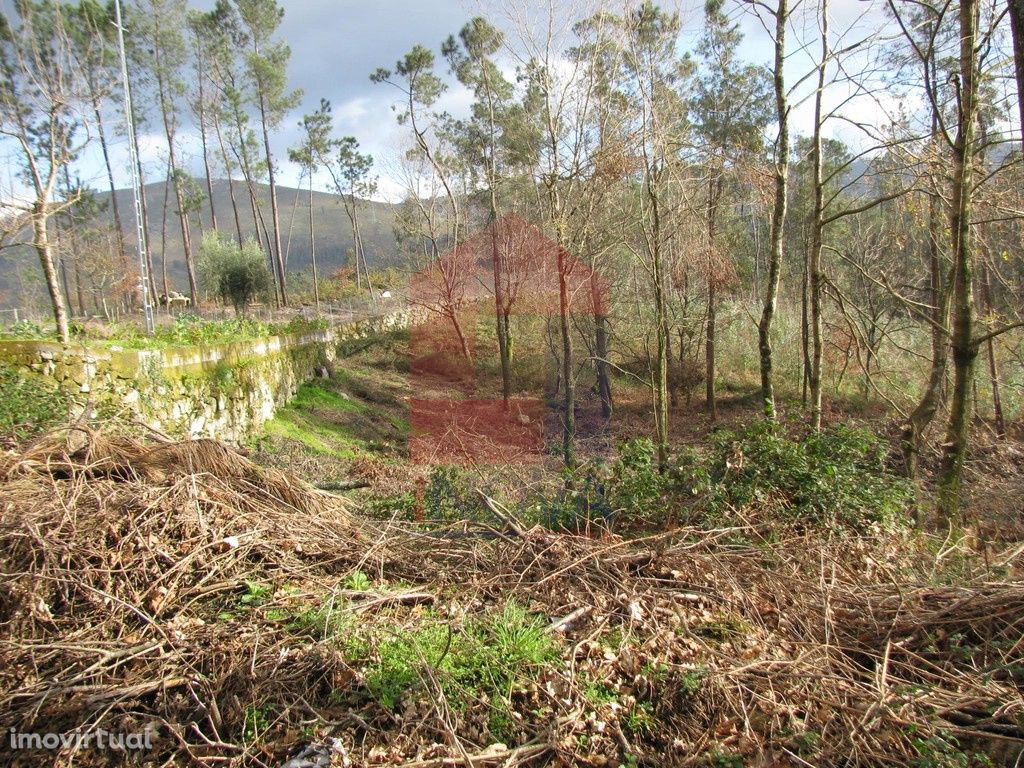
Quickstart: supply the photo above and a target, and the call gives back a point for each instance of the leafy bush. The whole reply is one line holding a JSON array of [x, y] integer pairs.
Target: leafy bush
[[448, 495], [631, 491], [236, 275], [835, 477], [28, 409], [635, 482], [943, 750], [579, 503]]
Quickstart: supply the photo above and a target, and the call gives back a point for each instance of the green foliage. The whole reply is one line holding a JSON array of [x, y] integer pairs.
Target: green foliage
[[236, 275], [257, 721], [630, 491], [599, 693], [189, 330], [837, 477], [579, 503], [488, 657], [25, 329], [942, 750], [255, 593], [448, 495], [639, 720], [691, 680], [384, 507], [28, 408], [635, 481], [358, 581], [636, 488], [333, 623]]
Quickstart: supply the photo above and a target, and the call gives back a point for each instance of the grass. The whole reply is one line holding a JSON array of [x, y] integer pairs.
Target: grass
[[486, 659], [185, 331], [315, 434], [313, 395], [358, 412]]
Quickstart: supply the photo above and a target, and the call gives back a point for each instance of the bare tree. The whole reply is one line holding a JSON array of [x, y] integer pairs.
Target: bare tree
[[41, 110]]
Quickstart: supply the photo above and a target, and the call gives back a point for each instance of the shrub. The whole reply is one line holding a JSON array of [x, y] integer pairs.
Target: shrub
[[635, 482], [630, 491], [448, 496], [236, 275], [835, 477], [25, 409]]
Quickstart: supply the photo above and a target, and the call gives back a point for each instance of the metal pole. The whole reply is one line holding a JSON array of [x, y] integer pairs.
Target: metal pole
[[140, 229]]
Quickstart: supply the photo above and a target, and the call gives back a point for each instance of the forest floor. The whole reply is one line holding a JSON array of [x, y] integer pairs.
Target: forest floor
[[244, 617], [355, 426]]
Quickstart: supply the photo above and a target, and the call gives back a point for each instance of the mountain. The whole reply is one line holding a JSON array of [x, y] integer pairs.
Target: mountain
[[331, 225]]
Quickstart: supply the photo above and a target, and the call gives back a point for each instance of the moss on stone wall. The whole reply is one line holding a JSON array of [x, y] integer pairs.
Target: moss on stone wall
[[29, 404], [224, 391]]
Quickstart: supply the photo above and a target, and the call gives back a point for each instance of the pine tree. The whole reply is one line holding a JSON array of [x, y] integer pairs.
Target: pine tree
[[266, 66]]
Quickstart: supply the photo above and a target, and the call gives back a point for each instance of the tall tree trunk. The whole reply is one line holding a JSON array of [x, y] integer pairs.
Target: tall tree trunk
[[273, 204], [500, 315], [291, 221], [186, 236], [965, 349], [357, 245], [166, 110], [1017, 28], [764, 328], [923, 414], [709, 339], [41, 242], [993, 370], [817, 233], [65, 284], [661, 370], [227, 173], [350, 204], [79, 293], [206, 152], [709, 350], [312, 247], [805, 329], [263, 238], [604, 380], [163, 238], [142, 196], [569, 401]]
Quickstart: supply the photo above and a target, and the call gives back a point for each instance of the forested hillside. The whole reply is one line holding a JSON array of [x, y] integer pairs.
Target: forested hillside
[[331, 225], [21, 283]]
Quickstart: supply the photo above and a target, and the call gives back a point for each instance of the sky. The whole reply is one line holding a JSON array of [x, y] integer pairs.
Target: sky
[[336, 44]]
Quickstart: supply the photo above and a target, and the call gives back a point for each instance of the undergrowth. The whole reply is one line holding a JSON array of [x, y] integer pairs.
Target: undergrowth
[[28, 409], [836, 479], [186, 330], [484, 660]]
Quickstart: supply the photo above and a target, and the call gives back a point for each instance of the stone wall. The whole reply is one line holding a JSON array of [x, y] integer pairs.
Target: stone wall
[[224, 391]]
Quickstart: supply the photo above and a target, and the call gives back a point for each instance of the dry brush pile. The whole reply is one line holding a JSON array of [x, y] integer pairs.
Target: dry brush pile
[[246, 619]]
